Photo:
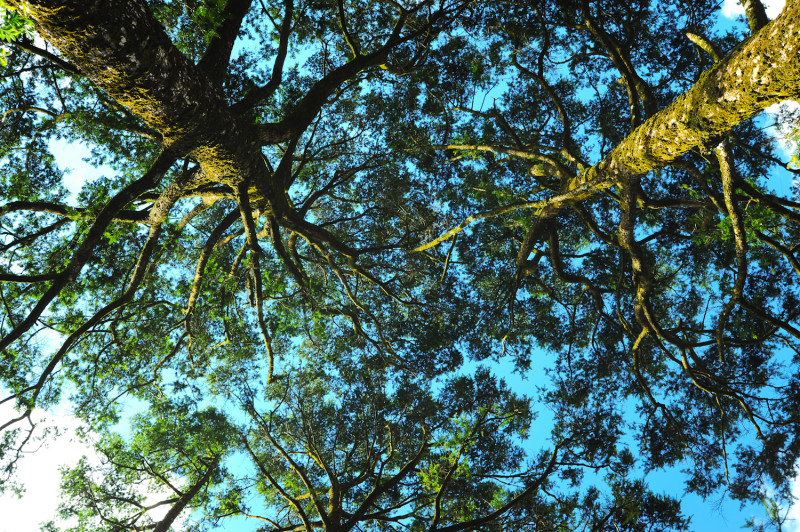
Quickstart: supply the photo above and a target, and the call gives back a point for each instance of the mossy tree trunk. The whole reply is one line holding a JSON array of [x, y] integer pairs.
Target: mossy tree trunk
[[763, 70]]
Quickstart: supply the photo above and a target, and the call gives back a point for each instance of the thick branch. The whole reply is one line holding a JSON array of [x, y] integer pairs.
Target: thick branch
[[258, 95], [124, 51], [761, 71], [215, 61], [73, 213], [186, 498], [148, 76], [727, 169]]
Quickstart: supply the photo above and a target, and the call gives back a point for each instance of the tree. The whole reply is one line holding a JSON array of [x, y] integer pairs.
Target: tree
[[177, 450], [263, 211], [681, 303], [341, 448]]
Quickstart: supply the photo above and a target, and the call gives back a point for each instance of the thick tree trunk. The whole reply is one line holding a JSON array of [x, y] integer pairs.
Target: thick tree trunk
[[763, 70], [125, 52]]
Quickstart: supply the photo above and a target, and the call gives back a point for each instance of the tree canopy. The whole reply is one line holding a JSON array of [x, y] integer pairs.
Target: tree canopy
[[323, 216]]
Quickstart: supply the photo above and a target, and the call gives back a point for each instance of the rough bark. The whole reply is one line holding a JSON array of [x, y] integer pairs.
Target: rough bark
[[763, 70], [125, 52]]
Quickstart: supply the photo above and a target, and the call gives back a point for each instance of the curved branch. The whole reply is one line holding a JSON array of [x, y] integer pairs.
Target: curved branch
[[291, 500], [296, 122], [115, 205], [638, 90], [159, 215], [258, 95], [551, 204], [786, 252], [298, 469], [378, 490], [215, 60], [27, 240], [352, 43], [728, 172], [205, 254]]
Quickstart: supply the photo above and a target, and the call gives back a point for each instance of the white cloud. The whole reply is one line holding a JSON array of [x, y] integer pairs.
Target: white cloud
[[783, 114], [774, 7], [38, 471], [793, 519], [38, 41], [733, 8]]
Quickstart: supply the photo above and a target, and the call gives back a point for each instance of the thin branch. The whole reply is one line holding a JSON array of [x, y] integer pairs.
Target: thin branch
[[205, 254], [539, 205], [79, 257], [25, 44], [527, 492]]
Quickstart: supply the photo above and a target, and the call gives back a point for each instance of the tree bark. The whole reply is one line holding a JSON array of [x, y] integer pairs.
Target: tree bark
[[186, 498], [125, 52], [761, 71]]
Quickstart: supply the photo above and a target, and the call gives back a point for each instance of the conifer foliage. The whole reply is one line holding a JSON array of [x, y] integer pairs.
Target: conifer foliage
[[318, 215]]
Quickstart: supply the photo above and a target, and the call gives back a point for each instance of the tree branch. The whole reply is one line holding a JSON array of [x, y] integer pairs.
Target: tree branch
[[149, 180], [186, 498], [258, 95], [530, 490], [217, 56], [25, 44]]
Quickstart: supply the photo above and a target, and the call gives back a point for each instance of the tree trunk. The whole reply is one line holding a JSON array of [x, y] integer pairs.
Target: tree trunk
[[125, 52], [761, 71]]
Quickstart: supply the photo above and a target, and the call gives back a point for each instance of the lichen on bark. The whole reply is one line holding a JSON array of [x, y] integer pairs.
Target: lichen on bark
[[763, 70]]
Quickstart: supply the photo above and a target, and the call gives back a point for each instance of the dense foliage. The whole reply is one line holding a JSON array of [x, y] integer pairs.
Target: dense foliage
[[321, 214]]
